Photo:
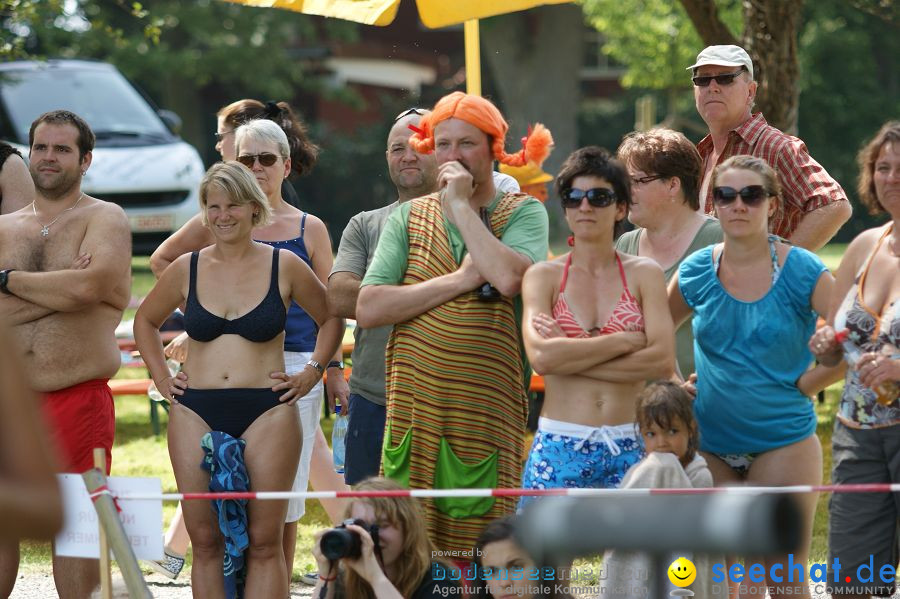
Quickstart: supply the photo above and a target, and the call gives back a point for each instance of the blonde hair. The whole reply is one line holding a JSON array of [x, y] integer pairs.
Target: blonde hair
[[404, 513], [240, 185]]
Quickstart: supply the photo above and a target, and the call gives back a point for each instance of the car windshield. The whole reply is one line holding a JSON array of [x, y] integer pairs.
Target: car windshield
[[117, 114]]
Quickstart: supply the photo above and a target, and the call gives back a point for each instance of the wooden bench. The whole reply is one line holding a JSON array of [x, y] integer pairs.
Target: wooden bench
[[140, 387]]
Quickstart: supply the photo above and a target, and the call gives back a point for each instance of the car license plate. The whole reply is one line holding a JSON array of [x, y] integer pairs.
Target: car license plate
[[152, 222]]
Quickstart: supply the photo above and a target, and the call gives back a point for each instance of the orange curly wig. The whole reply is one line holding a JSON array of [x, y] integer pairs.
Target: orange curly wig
[[481, 113]]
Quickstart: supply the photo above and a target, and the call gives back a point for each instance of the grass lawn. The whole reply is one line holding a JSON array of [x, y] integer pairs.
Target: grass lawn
[[139, 453]]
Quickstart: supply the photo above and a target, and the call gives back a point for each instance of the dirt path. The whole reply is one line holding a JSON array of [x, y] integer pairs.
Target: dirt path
[[39, 585]]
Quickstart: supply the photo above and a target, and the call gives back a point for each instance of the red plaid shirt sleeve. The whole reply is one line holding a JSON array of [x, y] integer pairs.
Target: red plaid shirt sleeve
[[806, 185]]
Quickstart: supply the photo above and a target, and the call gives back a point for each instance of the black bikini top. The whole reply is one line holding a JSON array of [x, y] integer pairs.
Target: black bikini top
[[262, 323]]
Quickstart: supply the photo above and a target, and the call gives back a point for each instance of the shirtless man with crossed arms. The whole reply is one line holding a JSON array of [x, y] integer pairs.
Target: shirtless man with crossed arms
[[65, 279]]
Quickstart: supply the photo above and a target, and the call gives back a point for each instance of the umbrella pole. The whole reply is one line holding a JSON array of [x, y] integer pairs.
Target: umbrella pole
[[473, 57]]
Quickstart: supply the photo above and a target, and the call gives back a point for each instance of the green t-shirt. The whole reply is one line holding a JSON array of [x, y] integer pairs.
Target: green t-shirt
[[526, 232], [710, 232], [355, 253]]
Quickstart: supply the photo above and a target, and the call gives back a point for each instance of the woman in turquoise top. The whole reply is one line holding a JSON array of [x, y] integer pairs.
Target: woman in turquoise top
[[754, 302]]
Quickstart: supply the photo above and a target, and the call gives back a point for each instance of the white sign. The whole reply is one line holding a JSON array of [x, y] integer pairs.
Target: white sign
[[142, 519]]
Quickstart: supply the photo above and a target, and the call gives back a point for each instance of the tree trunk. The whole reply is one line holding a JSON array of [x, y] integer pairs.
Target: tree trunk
[[704, 14], [535, 58], [535, 83], [183, 97], [770, 37]]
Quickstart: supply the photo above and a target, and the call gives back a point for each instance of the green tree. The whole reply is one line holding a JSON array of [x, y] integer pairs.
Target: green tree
[[655, 40], [664, 36], [850, 85], [667, 36], [190, 56]]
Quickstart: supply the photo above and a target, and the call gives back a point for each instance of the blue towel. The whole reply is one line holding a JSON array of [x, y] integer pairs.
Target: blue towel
[[223, 458]]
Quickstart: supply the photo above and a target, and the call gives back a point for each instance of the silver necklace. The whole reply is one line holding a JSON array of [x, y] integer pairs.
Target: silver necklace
[[45, 229]]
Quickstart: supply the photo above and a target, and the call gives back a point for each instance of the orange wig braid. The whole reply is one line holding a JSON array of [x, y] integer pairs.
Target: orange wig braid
[[481, 113]]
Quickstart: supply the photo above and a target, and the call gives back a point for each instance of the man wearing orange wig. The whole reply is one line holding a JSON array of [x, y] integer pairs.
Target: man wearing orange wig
[[455, 373]]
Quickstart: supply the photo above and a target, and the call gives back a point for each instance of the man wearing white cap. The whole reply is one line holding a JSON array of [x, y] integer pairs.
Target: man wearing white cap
[[815, 206]]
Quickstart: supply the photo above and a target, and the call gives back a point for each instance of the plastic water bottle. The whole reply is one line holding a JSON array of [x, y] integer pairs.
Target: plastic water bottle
[[338, 433], [886, 392], [174, 368]]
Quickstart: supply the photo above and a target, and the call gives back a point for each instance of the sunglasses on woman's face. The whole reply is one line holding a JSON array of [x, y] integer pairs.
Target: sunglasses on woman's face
[[750, 195], [723, 79], [265, 159], [598, 197]]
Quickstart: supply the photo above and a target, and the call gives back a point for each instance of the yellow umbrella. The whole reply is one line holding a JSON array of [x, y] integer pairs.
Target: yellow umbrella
[[434, 13]]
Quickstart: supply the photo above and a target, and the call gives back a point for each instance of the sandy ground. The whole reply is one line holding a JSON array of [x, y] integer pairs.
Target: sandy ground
[[39, 585]]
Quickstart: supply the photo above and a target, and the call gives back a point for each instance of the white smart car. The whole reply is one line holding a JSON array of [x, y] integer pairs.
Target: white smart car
[[139, 163]]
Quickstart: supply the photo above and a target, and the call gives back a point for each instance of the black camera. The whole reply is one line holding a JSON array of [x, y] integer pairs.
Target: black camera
[[340, 542]]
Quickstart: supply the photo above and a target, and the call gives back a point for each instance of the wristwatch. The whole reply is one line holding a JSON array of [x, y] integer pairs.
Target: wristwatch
[[335, 364], [317, 366], [4, 280]]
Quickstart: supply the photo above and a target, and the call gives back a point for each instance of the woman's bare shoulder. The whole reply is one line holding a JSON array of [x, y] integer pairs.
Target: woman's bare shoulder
[[641, 266]]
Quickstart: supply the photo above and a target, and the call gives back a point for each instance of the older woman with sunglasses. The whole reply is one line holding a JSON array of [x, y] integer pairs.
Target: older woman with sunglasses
[[754, 302], [263, 147], [303, 151], [866, 439], [596, 325], [665, 177]]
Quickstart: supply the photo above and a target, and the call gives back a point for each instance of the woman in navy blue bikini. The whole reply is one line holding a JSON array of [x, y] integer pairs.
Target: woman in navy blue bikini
[[236, 293], [266, 150]]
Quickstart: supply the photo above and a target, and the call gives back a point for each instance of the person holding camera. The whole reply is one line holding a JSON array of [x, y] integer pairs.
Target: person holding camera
[[381, 551]]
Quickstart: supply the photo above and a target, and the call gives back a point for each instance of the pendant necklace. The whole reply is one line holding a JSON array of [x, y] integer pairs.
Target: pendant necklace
[[45, 229]]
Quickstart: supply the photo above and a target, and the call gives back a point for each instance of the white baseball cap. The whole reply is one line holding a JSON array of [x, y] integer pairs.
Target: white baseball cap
[[726, 56]]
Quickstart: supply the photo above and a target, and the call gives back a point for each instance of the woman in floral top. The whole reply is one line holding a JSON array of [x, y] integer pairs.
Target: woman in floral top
[[866, 440]]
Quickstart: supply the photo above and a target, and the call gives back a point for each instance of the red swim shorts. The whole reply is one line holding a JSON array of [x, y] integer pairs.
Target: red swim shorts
[[80, 418]]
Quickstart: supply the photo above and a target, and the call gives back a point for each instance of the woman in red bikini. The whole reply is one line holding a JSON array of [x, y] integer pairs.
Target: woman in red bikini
[[597, 326]]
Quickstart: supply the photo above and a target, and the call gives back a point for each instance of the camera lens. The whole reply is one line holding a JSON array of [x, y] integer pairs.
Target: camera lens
[[340, 542]]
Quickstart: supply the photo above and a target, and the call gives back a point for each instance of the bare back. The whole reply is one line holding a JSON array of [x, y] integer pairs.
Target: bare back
[[68, 347]]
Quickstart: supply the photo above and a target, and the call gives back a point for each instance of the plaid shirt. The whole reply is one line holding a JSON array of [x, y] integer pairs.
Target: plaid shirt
[[805, 184]]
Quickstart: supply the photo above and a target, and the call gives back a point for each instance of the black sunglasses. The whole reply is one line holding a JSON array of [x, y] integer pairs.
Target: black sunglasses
[[220, 136], [265, 159], [598, 197], [723, 79], [750, 195], [417, 111]]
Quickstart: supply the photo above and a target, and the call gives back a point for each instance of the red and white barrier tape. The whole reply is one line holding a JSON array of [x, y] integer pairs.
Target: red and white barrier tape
[[430, 493]]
